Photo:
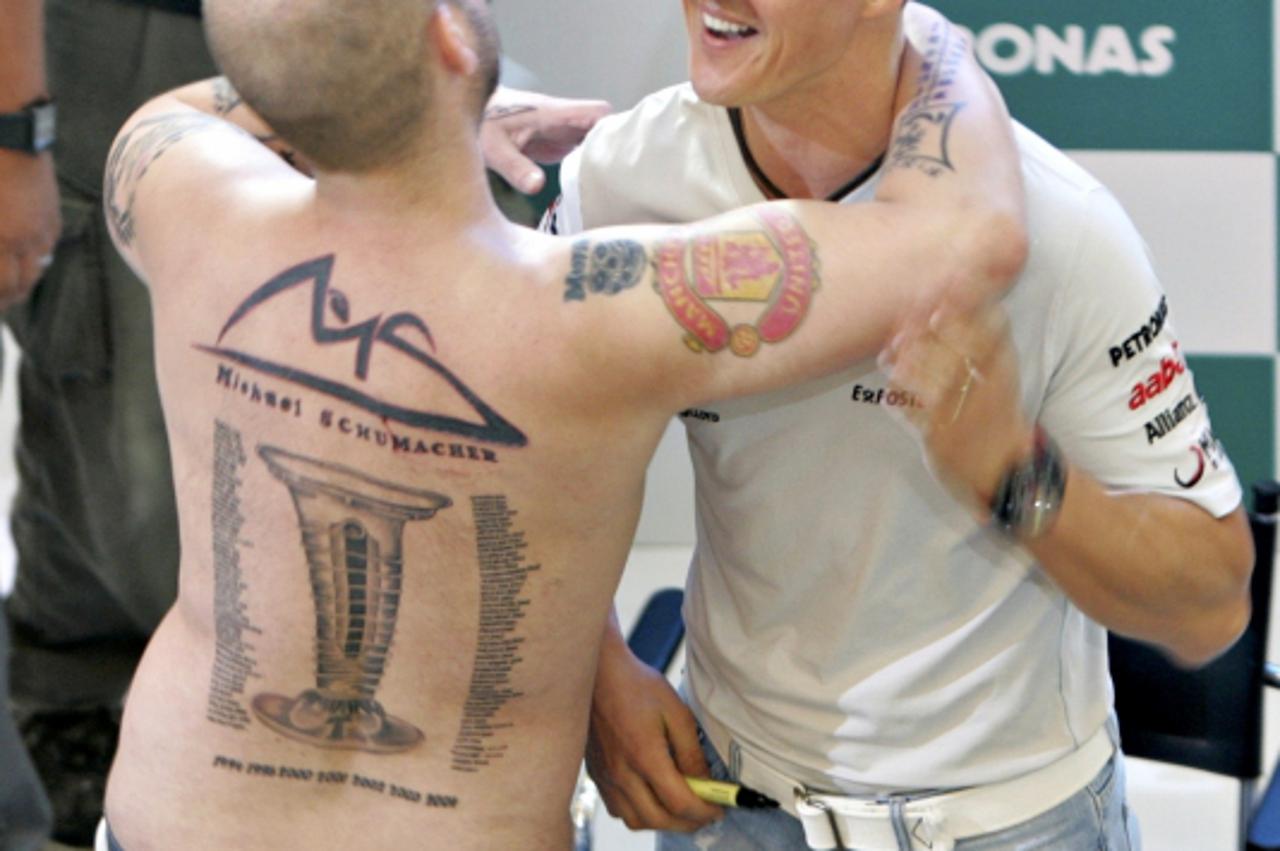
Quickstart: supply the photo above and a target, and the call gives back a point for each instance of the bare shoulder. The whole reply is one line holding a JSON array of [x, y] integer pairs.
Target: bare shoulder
[[173, 170]]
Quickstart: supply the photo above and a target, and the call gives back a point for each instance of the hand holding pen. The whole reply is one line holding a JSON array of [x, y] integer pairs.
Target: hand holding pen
[[726, 794]]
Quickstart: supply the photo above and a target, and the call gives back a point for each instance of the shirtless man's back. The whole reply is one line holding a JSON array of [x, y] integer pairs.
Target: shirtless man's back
[[409, 438]]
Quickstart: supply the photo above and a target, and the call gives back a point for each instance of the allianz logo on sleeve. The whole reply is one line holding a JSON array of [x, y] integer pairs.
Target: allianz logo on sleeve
[[1009, 50]]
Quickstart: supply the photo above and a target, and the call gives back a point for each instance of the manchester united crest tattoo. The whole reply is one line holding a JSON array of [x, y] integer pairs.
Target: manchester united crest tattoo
[[714, 284]]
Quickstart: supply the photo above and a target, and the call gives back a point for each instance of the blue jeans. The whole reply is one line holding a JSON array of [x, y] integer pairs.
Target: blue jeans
[[1095, 818]]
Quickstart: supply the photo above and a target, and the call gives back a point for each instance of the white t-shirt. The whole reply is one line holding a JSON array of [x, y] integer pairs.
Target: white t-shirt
[[850, 623]]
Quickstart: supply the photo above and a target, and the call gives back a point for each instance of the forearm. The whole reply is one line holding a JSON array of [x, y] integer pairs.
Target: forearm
[[952, 154], [22, 71], [614, 641], [1156, 568]]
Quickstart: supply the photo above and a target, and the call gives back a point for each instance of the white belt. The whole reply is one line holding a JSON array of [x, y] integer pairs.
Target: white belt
[[932, 822]]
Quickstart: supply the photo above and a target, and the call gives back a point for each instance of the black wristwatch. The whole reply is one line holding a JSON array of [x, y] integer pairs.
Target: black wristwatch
[[32, 130], [1030, 494]]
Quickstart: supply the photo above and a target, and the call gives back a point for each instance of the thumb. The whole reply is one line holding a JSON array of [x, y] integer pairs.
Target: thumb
[[504, 157], [686, 748]]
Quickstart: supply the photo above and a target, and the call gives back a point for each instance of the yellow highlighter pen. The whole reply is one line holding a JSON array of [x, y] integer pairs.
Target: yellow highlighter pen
[[729, 794]]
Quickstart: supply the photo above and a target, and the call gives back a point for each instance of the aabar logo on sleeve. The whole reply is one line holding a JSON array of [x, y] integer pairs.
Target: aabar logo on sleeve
[[1171, 366]]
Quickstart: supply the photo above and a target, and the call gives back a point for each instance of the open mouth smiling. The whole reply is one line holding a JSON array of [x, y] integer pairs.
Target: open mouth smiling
[[722, 30]]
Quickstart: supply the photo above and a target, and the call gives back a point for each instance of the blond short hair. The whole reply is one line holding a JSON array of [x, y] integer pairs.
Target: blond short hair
[[344, 81]]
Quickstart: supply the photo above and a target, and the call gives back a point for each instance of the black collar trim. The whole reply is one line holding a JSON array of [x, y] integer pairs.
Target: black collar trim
[[771, 188]]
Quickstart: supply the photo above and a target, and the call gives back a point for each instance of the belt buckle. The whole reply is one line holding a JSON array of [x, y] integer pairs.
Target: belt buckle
[[822, 806], [934, 837]]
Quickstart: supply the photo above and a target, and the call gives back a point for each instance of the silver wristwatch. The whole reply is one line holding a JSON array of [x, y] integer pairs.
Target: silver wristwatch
[[1030, 495]]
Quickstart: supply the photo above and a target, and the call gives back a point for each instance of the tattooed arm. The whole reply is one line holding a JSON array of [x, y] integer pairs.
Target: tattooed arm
[[237, 141], [952, 150], [795, 289]]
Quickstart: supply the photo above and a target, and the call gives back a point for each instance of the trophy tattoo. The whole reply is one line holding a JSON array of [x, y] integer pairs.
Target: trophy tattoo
[[352, 526]]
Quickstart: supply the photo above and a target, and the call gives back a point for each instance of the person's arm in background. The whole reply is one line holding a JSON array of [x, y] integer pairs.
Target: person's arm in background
[[643, 739], [531, 125], [521, 129], [29, 214]]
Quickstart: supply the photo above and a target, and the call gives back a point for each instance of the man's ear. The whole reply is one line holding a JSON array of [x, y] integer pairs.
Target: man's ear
[[452, 40]]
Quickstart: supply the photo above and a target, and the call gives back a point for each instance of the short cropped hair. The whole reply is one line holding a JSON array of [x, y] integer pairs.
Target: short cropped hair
[[344, 81]]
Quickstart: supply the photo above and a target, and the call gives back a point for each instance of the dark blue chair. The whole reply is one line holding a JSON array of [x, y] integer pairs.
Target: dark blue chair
[[655, 638], [1210, 718]]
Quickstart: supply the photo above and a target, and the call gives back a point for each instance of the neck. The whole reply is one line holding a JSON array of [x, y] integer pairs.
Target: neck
[[818, 137], [436, 192]]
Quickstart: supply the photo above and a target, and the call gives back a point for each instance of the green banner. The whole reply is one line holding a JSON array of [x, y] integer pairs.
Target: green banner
[[1133, 74], [1240, 392]]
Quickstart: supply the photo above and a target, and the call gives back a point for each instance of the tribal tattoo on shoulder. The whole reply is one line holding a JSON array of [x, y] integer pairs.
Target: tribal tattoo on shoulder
[[922, 133], [225, 97], [726, 289], [133, 155]]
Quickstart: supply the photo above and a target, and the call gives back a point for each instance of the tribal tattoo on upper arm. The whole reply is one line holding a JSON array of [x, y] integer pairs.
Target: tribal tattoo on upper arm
[[922, 133], [225, 97], [732, 289], [132, 156]]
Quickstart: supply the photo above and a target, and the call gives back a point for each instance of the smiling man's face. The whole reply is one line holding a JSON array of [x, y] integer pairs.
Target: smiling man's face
[[752, 51]]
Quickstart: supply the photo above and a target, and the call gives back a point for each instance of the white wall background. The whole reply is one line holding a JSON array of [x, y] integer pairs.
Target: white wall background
[[619, 50]]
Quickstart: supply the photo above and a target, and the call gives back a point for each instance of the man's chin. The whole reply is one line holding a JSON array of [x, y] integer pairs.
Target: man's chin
[[718, 92]]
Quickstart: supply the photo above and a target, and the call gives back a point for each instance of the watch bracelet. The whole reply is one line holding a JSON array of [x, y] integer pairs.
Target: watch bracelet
[[1030, 494]]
